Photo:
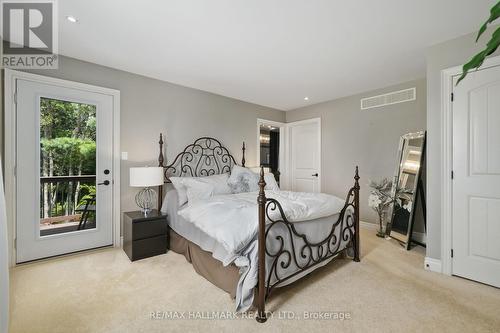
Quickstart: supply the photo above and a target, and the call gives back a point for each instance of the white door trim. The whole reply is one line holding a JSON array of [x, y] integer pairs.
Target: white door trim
[[287, 149], [10, 149], [447, 154]]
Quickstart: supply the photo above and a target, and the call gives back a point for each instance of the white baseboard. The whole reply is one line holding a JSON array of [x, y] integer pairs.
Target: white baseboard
[[433, 265], [121, 241], [368, 225]]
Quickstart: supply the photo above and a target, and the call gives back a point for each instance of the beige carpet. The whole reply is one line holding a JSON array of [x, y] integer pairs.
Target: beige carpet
[[101, 291]]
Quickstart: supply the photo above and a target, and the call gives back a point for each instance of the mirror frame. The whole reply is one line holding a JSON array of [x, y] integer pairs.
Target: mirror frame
[[407, 239]]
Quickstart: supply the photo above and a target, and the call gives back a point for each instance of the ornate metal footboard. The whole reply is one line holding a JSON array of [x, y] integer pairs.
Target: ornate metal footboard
[[302, 253]]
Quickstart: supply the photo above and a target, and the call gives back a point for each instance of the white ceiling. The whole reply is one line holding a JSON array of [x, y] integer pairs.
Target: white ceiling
[[269, 52]]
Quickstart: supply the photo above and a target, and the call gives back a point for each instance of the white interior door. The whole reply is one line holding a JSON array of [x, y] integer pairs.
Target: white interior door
[[304, 140], [64, 150], [476, 183]]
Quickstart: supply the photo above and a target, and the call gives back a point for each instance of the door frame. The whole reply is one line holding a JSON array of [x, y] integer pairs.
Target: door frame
[[447, 162], [288, 161], [10, 147], [282, 127]]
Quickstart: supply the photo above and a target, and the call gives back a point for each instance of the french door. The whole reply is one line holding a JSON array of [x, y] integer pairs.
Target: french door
[[476, 177], [64, 165]]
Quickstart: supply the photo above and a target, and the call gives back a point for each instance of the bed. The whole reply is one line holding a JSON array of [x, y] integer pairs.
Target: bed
[[283, 247]]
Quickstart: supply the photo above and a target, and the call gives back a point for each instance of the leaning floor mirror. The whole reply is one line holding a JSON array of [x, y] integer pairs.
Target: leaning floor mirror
[[408, 191]]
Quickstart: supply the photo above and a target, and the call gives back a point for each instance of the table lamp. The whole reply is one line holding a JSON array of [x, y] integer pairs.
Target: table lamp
[[146, 177]]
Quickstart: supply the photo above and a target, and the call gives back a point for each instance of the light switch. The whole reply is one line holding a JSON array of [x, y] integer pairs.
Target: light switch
[[124, 155]]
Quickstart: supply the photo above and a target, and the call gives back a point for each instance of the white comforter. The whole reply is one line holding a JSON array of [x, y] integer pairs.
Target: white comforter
[[233, 219]]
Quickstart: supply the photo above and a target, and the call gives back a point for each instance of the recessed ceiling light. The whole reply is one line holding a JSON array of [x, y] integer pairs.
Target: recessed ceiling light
[[72, 19], [306, 98]]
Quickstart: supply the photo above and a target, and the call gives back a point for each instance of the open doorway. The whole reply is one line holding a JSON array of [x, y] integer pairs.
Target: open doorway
[[270, 152]]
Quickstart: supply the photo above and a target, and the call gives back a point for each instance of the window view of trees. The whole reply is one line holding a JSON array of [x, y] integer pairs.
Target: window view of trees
[[67, 150]]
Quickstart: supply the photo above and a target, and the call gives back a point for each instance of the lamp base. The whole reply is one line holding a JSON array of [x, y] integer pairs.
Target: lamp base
[[145, 199]]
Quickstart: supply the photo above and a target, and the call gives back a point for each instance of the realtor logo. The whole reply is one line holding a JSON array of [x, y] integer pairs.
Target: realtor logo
[[29, 34]]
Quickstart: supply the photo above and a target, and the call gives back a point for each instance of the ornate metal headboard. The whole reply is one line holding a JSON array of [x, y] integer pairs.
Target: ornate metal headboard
[[204, 157]]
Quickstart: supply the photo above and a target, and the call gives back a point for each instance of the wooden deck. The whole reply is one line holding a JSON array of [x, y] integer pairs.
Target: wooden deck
[[62, 224], [60, 219]]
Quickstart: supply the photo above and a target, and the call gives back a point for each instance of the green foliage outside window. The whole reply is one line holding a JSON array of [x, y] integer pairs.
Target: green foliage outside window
[[67, 148]]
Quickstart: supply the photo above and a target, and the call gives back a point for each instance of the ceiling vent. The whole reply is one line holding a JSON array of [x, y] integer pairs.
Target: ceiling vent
[[395, 97]]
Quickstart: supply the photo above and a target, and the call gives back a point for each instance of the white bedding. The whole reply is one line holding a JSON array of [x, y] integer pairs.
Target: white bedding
[[232, 219], [191, 232], [247, 258]]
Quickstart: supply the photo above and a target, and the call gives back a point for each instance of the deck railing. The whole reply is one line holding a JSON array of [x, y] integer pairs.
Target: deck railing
[[60, 196]]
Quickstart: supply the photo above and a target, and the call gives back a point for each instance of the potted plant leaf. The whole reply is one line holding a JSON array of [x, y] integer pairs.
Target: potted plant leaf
[[379, 200], [492, 45]]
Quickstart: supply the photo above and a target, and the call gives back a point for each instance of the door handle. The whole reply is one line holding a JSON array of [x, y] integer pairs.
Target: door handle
[[315, 174], [106, 182]]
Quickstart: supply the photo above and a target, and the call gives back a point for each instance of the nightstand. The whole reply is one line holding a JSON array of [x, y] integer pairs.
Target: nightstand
[[144, 236]]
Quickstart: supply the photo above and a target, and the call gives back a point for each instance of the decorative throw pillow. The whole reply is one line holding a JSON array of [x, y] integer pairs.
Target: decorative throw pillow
[[243, 180]]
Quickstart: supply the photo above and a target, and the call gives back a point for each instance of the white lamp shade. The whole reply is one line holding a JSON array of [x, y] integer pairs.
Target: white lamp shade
[[146, 176]]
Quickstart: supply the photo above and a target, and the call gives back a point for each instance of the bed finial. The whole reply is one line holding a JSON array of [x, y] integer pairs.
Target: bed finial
[[262, 182], [243, 158], [160, 157], [356, 178]]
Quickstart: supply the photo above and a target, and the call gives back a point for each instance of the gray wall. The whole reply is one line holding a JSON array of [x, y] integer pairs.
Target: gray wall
[[368, 138], [150, 106], [446, 55]]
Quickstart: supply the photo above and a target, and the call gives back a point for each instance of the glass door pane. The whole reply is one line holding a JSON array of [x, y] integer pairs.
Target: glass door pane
[[67, 166]]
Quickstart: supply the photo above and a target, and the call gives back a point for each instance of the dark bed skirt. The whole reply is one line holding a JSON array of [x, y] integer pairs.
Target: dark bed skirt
[[226, 278]]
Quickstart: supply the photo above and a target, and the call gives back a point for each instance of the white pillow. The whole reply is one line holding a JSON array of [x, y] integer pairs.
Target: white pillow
[[170, 202], [218, 182], [243, 180], [198, 190], [181, 189], [271, 184]]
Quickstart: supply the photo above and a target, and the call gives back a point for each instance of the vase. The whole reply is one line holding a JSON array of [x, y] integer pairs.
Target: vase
[[381, 231]]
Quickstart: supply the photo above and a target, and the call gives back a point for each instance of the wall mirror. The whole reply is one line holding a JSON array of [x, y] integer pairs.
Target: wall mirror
[[408, 191]]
